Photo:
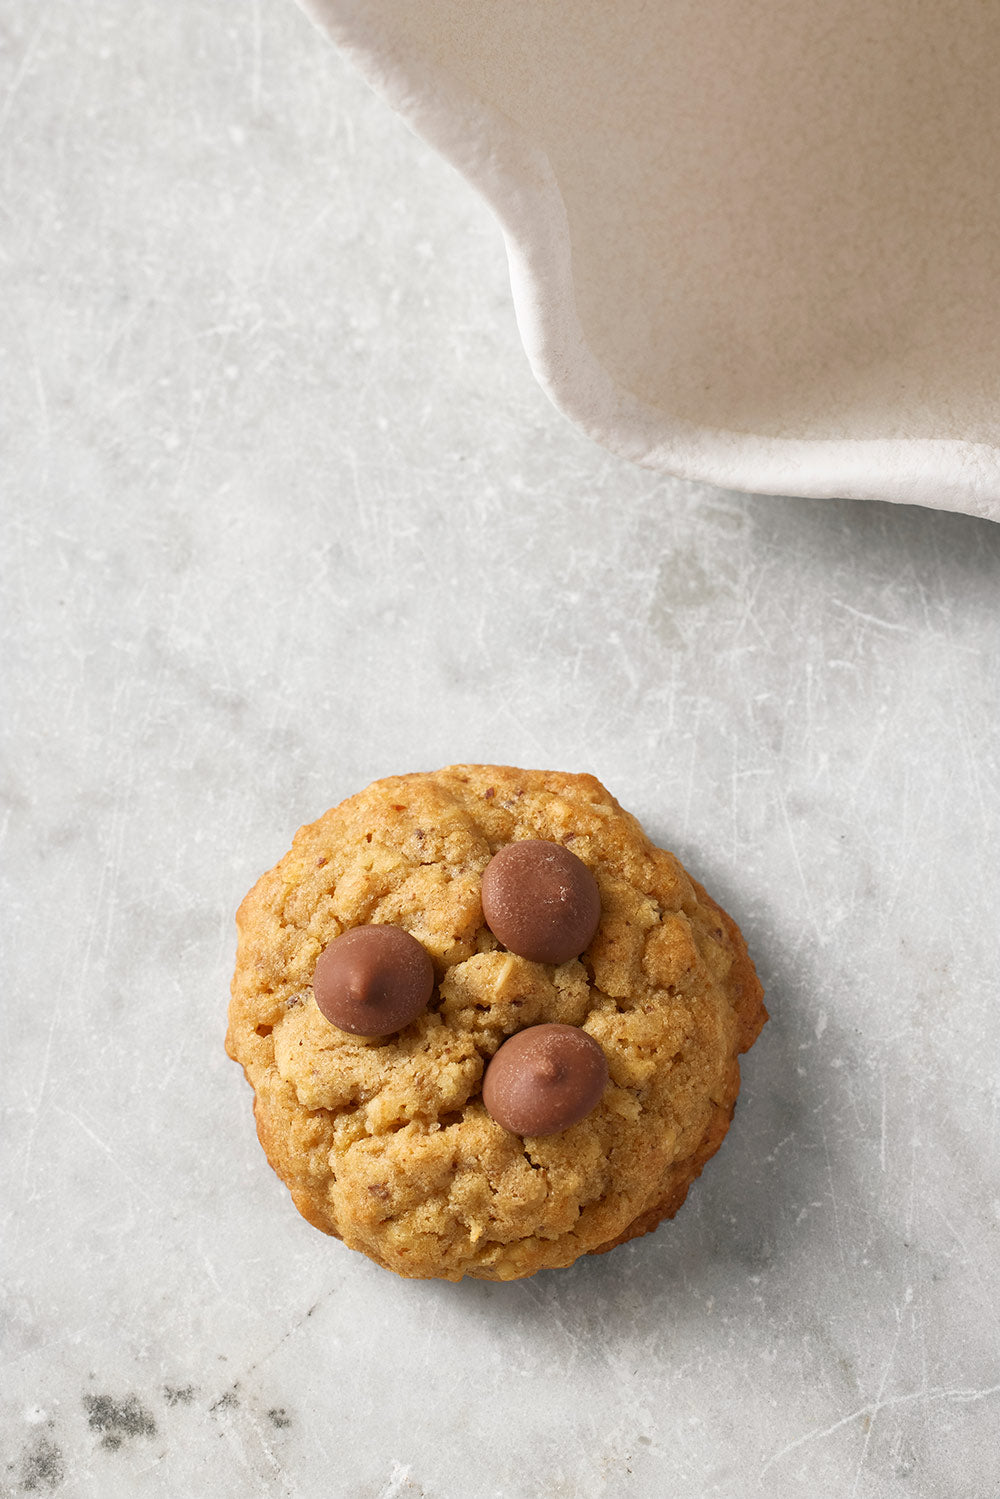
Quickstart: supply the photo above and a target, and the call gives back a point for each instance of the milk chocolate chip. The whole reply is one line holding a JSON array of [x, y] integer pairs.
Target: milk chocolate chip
[[373, 980], [541, 901], [544, 1079]]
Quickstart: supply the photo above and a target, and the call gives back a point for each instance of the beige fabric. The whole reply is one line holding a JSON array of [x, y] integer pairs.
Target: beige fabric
[[758, 244]]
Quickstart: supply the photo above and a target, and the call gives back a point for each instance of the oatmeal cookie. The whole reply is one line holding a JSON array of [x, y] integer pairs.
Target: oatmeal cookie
[[385, 1141]]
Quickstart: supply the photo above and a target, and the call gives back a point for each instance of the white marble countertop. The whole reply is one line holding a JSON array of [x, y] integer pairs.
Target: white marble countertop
[[284, 511]]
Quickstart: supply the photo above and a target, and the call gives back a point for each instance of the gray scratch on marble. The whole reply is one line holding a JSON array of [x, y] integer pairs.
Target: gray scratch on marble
[[872, 1409], [877, 1404], [870, 619]]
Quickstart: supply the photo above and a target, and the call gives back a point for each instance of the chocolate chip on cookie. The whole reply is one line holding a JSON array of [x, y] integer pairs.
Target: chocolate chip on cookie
[[544, 1079], [373, 980], [541, 901]]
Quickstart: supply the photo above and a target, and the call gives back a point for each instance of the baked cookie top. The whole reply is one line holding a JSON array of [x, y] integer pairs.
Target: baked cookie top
[[386, 1142]]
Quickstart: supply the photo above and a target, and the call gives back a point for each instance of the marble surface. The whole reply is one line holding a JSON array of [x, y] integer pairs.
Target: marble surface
[[284, 511]]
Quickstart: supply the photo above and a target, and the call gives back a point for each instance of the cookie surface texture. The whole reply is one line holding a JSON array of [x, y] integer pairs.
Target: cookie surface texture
[[386, 1143]]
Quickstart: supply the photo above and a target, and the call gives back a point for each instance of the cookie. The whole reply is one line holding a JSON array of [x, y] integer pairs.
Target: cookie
[[382, 1135]]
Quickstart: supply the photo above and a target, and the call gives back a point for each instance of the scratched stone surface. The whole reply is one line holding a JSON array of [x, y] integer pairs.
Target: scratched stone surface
[[283, 510]]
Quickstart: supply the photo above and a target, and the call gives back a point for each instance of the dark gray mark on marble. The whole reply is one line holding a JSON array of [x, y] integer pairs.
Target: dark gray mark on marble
[[42, 1465], [178, 1394], [279, 1417], [284, 1338], [228, 1402], [118, 1420]]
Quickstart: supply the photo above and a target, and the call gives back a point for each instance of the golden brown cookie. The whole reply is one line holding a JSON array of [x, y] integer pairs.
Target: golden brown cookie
[[386, 1143]]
